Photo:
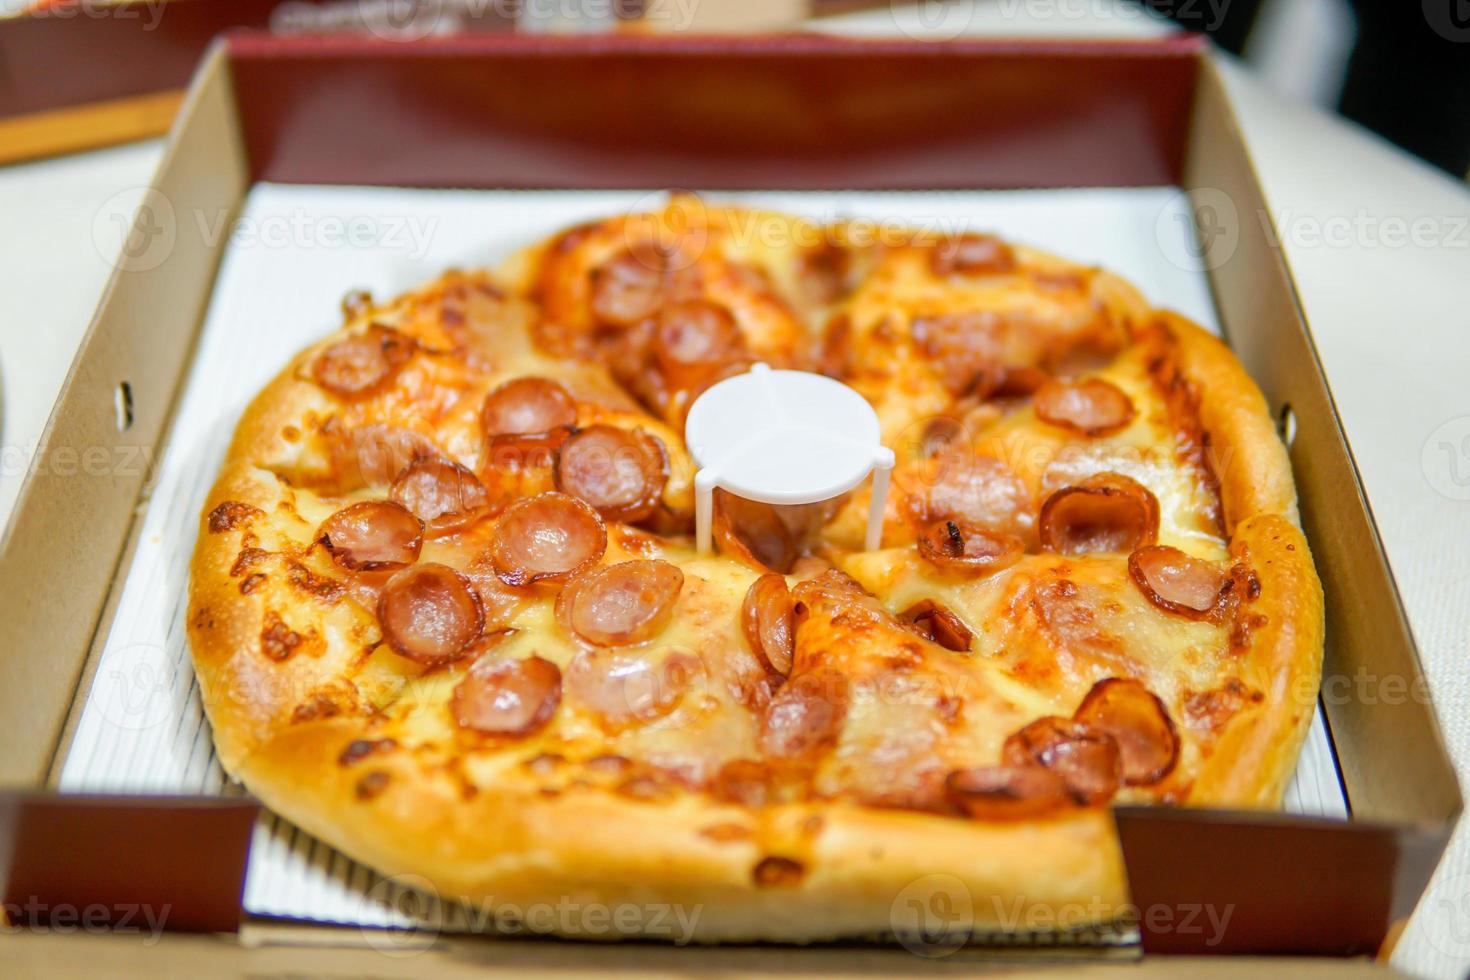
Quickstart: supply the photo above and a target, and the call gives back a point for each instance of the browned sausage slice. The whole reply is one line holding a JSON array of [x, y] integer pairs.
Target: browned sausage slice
[[360, 364], [1105, 512], [373, 534], [1176, 582], [616, 605], [550, 536], [525, 406], [1138, 722], [430, 613], [620, 472], [507, 697], [1090, 407], [768, 618]]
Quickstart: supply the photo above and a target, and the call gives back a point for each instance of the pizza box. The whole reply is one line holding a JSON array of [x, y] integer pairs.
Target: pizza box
[[571, 116], [81, 74]]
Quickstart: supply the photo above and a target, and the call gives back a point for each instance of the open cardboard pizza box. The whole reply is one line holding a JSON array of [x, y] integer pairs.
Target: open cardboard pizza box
[[519, 126]]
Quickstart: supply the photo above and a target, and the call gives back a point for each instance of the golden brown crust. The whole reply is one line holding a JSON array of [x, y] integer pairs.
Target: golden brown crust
[[274, 632], [1246, 453], [514, 845]]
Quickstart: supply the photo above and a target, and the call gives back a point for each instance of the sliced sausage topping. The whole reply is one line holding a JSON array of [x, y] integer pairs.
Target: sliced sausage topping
[[960, 546], [980, 489], [374, 534], [627, 288], [1092, 406], [695, 337], [430, 613], [804, 718], [525, 406], [546, 537], [441, 493], [620, 604], [619, 472], [936, 623], [360, 364], [1176, 582], [1138, 722], [768, 617], [1007, 792], [623, 688], [1105, 512], [753, 532], [1087, 759], [507, 697], [973, 255], [373, 455]]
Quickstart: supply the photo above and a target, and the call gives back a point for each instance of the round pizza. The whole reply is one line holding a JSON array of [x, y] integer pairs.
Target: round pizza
[[448, 615]]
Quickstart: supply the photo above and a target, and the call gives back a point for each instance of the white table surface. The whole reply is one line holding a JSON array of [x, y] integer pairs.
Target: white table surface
[[1390, 311]]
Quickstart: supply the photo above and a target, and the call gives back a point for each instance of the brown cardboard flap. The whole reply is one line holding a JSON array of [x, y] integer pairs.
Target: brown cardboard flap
[[782, 111], [77, 53], [124, 862], [1212, 882], [72, 521], [609, 112], [1393, 760]]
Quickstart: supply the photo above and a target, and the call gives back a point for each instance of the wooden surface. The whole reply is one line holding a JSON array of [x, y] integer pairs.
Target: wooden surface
[[87, 127]]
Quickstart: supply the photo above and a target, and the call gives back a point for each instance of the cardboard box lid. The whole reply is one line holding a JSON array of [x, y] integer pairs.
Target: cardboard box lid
[[293, 109]]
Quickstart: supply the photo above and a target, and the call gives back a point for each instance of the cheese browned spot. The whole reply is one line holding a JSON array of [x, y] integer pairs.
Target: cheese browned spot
[[230, 515]]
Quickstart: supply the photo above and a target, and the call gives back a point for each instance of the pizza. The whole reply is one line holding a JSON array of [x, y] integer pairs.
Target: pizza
[[447, 613]]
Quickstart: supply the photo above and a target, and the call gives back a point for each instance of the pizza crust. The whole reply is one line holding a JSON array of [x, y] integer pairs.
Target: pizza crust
[[847, 867]]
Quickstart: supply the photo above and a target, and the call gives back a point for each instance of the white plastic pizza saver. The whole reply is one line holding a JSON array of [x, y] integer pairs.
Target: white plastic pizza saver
[[785, 437]]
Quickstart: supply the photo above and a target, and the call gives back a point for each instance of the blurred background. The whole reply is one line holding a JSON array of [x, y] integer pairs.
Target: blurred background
[[1401, 68]]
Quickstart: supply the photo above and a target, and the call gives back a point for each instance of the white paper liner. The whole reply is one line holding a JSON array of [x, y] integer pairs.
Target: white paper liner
[[293, 252]]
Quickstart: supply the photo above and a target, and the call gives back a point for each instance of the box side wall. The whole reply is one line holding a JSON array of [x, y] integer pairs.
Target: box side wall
[[736, 113], [72, 521], [1393, 760]]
